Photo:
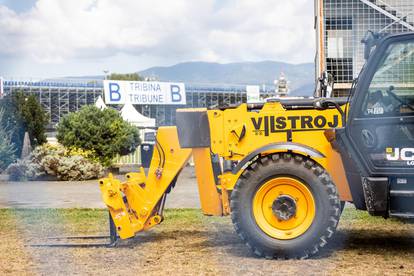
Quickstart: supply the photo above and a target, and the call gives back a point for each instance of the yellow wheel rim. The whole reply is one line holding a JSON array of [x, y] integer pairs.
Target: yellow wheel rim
[[269, 212]]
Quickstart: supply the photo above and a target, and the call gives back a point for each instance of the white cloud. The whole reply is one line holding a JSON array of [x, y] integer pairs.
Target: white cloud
[[55, 31]]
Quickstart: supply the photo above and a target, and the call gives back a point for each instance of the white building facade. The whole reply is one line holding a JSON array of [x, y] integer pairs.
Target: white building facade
[[341, 25]]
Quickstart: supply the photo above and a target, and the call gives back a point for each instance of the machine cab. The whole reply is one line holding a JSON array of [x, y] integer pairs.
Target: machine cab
[[381, 118], [378, 140]]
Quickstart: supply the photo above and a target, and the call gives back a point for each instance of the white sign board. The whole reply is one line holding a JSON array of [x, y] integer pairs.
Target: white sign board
[[1, 88], [144, 92], [253, 93]]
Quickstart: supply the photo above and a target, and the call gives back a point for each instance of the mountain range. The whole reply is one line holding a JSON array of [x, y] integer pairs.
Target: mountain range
[[301, 77]]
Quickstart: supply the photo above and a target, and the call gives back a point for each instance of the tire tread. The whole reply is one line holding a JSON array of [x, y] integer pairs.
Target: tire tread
[[306, 163]]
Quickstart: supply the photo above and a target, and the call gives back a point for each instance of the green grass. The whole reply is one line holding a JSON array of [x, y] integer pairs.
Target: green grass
[[96, 220], [79, 216], [82, 220], [364, 219], [34, 215], [39, 221]]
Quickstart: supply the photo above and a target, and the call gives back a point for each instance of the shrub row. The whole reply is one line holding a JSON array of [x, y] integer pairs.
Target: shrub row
[[58, 161]]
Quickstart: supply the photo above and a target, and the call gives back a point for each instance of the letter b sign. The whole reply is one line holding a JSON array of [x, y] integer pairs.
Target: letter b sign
[[114, 94], [175, 93]]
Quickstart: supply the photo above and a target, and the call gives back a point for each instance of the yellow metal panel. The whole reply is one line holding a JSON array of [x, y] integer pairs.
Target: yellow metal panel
[[336, 169], [210, 199], [271, 124], [112, 197], [216, 123]]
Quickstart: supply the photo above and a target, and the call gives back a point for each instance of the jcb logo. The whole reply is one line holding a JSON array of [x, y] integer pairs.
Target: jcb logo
[[404, 154]]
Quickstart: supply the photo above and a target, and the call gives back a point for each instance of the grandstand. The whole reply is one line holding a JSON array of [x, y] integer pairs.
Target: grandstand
[[60, 97], [57, 98]]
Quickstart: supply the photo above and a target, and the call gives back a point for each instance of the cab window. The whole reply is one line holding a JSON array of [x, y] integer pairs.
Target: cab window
[[391, 92]]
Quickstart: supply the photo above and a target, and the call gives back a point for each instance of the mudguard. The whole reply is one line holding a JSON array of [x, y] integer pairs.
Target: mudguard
[[288, 146]]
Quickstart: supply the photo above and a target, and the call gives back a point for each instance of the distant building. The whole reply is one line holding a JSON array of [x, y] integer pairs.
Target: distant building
[[59, 98], [281, 86], [341, 25]]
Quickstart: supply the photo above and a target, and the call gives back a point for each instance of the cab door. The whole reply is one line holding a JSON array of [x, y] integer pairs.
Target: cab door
[[381, 118]]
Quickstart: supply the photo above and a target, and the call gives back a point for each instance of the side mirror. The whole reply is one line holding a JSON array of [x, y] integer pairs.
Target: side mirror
[[326, 84], [370, 41]]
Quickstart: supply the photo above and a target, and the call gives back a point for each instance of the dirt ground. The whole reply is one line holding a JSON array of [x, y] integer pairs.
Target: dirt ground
[[188, 243]]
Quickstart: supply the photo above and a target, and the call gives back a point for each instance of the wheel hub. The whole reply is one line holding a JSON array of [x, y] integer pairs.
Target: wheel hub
[[284, 207]]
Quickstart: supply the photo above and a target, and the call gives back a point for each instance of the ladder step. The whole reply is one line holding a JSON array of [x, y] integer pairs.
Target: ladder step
[[402, 215], [406, 193]]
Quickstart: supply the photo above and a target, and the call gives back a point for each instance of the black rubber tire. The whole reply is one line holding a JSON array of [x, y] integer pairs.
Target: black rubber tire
[[327, 211]]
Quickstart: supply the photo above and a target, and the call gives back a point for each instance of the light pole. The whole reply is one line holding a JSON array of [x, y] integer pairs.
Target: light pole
[[106, 72]]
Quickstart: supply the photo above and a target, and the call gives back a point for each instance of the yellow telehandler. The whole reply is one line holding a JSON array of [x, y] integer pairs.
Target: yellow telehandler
[[286, 167]]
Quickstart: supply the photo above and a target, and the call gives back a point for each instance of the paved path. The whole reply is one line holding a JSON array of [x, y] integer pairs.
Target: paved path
[[85, 194]]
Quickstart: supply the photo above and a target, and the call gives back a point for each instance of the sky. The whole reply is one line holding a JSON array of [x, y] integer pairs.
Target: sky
[[52, 38]]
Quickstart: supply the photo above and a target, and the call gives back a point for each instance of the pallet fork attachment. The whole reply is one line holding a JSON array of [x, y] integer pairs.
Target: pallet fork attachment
[[112, 239], [137, 204]]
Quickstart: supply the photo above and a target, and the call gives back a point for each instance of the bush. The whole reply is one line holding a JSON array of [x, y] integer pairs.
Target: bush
[[71, 167], [56, 160], [24, 170], [102, 132]]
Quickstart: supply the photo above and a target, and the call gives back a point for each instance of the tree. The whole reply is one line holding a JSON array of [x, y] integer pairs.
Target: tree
[[126, 77], [7, 149], [102, 131], [34, 119], [14, 122], [23, 113]]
